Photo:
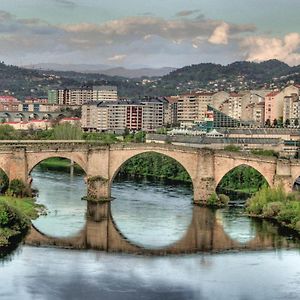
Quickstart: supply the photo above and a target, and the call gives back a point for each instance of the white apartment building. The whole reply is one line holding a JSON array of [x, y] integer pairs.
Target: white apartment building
[[105, 93], [79, 96], [147, 115]]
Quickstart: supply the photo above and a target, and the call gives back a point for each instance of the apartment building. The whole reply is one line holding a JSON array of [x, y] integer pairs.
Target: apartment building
[[203, 100], [253, 107], [171, 110], [291, 109], [79, 96], [273, 106], [187, 108], [105, 93], [116, 116], [153, 114]]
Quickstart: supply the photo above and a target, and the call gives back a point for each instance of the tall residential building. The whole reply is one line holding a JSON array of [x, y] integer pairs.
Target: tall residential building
[[116, 116], [291, 109], [79, 96], [170, 110], [273, 106], [203, 99], [187, 108], [153, 114], [53, 96], [105, 93]]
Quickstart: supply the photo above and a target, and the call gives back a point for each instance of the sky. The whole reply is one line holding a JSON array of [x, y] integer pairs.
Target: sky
[[156, 33]]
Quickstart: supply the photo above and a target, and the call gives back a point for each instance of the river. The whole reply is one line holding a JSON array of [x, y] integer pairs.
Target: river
[[152, 215]]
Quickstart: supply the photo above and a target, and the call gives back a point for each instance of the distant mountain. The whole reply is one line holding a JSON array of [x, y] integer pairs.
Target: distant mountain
[[237, 76], [103, 69], [262, 72], [138, 73]]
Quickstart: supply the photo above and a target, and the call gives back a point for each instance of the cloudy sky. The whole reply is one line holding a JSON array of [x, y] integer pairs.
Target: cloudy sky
[[154, 33]]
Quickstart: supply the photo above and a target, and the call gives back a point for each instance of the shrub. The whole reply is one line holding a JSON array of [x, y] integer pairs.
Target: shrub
[[18, 188], [213, 200], [256, 204], [224, 199], [290, 214], [217, 201], [12, 224], [272, 209]]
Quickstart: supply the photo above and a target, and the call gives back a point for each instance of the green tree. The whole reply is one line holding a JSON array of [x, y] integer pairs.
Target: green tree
[[4, 182], [18, 188], [7, 132], [67, 131]]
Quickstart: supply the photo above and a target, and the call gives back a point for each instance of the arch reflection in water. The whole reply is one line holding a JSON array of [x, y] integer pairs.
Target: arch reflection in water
[[60, 192], [205, 233], [238, 227], [151, 214]]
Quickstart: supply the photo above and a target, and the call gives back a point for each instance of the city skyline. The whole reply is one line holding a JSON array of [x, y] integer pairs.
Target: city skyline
[[161, 33]]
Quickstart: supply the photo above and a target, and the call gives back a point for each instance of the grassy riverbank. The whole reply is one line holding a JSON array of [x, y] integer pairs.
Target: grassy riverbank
[[276, 204], [15, 216]]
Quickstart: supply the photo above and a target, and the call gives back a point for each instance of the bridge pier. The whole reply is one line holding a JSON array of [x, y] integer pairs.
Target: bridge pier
[[283, 175], [98, 189], [18, 166], [203, 188]]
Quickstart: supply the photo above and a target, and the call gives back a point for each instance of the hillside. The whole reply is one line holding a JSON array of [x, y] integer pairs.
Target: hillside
[[103, 69], [206, 76]]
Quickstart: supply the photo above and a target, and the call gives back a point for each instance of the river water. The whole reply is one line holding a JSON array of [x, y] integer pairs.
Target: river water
[[151, 215]]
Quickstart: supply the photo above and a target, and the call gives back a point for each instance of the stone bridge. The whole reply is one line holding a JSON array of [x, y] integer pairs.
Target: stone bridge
[[101, 163], [11, 116]]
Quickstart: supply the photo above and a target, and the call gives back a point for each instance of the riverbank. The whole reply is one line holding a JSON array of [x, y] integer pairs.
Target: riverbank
[[15, 219], [277, 205]]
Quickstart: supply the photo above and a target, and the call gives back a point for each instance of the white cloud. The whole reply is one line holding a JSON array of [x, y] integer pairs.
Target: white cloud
[[220, 35], [260, 48], [117, 58]]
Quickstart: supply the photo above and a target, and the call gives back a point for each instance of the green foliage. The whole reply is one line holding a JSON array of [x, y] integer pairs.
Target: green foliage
[[275, 203], [232, 148], [7, 132], [4, 182], [67, 131], [106, 138], [59, 164], [263, 152], [18, 188], [155, 165], [215, 200], [242, 178], [12, 224], [137, 137], [258, 202]]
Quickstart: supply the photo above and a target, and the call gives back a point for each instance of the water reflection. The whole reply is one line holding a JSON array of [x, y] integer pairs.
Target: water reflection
[[205, 233], [237, 226], [61, 194], [151, 214]]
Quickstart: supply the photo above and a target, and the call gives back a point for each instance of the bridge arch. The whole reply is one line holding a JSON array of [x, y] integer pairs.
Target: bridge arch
[[236, 167], [224, 165], [47, 116], [183, 159], [33, 161]]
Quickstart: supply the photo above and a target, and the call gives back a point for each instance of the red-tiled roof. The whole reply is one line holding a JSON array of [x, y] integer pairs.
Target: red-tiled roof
[[272, 94]]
